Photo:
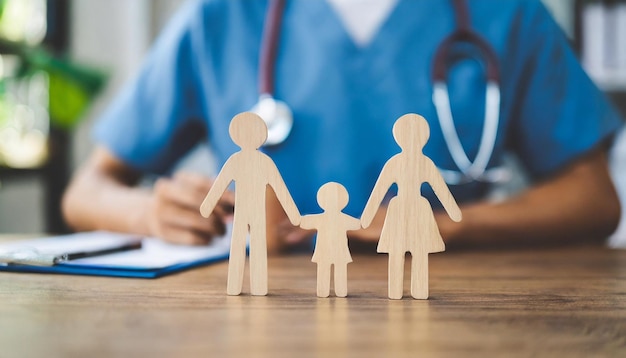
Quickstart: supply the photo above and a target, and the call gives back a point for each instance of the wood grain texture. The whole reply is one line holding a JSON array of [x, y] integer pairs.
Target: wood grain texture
[[331, 246], [410, 224], [253, 172], [565, 302]]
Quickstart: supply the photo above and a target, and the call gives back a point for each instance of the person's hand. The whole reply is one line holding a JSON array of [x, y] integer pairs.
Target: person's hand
[[173, 213]]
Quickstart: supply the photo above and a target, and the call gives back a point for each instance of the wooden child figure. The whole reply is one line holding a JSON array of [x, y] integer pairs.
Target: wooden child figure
[[252, 171], [331, 247], [409, 223]]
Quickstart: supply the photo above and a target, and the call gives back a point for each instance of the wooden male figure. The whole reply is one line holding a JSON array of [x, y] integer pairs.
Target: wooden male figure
[[409, 223], [252, 171]]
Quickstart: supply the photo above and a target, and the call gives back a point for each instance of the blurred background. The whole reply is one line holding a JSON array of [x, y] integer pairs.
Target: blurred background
[[61, 62]]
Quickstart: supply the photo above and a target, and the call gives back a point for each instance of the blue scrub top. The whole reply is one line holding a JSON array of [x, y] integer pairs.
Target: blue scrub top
[[203, 70]]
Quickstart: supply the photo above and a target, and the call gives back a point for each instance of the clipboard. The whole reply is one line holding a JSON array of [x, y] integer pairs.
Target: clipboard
[[154, 258]]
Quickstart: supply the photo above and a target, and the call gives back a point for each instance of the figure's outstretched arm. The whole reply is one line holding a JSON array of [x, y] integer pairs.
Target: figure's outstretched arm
[[307, 222], [353, 223], [224, 178], [443, 193], [284, 197], [378, 194]]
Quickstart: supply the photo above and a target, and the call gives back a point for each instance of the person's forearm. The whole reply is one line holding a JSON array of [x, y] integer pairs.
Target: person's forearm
[[578, 204], [94, 202]]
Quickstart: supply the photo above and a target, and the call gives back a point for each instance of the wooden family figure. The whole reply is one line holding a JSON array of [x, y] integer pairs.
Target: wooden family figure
[[409, 223], [252, 171], [331, 246]]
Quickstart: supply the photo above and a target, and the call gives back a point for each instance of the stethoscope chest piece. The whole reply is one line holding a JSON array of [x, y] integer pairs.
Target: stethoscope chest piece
[[277, 116]]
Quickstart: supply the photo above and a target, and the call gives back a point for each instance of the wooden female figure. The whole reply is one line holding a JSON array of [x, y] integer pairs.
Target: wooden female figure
[[410, 224]]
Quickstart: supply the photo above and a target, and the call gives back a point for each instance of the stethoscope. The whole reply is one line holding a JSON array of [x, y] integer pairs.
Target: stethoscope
[[279, 118], [276, 114]]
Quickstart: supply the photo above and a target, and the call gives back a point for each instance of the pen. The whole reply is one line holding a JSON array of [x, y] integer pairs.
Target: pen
[[33, 257], [125, 247]]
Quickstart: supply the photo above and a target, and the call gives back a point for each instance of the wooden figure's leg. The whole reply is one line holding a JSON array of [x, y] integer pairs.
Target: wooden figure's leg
[[258, 260], [236, 260], [396, 275], [341, 280], [419, 277], [323, 280]]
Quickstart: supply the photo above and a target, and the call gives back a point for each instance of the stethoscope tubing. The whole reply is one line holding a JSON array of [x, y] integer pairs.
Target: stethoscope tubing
[[477, 170], [269, 47], [468, 171], [279, 118]]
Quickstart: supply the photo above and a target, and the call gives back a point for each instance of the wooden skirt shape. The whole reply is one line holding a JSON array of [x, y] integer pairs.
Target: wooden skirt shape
[[410, 226]]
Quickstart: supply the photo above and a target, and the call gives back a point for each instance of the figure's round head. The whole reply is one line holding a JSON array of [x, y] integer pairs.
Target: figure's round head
[[248, 130], [411, 131], [332, 194]]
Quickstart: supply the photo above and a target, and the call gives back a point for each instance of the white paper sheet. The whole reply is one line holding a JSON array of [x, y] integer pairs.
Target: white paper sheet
[[153, 254]]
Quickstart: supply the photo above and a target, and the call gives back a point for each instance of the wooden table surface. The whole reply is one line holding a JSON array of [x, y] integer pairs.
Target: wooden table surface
[[548, 302]]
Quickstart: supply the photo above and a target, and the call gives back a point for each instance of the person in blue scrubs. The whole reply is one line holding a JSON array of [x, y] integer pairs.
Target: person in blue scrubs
[[203, 70]]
